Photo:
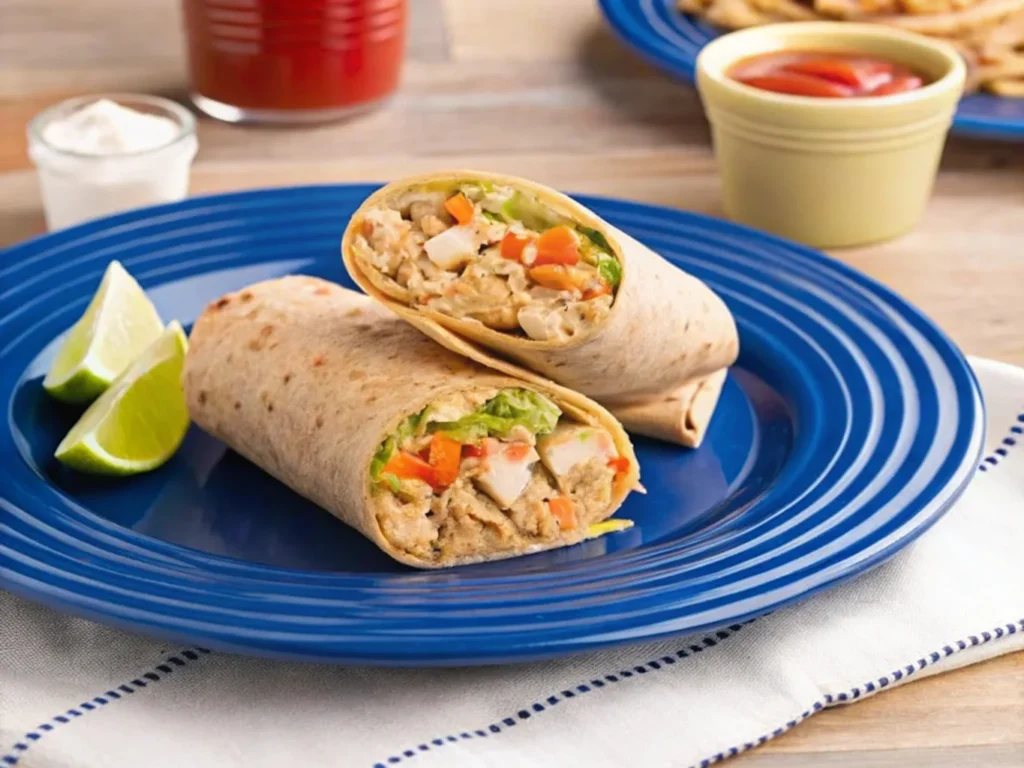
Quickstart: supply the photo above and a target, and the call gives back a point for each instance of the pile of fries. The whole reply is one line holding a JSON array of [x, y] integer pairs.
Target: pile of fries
[[989, 33]]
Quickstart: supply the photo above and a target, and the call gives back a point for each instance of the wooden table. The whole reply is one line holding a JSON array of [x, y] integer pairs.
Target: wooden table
[[540, 88]]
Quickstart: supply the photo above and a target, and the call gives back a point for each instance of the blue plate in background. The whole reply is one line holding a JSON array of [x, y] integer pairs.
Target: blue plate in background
[[848, 426], [671, 40]]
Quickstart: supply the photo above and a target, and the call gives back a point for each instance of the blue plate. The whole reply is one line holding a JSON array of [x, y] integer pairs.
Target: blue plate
[[671, 40], [847, 428]]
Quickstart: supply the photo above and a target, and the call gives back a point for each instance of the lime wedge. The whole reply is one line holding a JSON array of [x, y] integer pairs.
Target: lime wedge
[[118, 324], [139, 422]]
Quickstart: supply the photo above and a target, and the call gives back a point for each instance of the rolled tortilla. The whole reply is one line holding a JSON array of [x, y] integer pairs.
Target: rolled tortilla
[[307, 380], [665, 331]]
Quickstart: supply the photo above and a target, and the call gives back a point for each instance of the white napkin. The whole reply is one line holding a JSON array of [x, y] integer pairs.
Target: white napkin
[[74, 693]]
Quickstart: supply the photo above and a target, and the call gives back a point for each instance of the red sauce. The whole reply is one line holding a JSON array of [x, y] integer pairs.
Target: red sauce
[[295, 54], [829, 75]]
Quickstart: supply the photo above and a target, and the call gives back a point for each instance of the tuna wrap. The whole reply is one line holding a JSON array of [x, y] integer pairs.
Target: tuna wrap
[[496, 267], [437, 459]]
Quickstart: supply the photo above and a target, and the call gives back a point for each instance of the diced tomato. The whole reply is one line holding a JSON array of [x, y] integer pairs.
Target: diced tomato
[[620, 464], [563, 511], [898, 85], [445, 458], [555, 276], [798, 85], [409, 466], [557, 245], [472, 451], [602, 289], [860, 74], [460, 207], [512, 246], [517, 451]]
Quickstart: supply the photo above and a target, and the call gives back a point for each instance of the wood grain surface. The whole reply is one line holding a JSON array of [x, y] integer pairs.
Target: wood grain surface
[[541, 88]]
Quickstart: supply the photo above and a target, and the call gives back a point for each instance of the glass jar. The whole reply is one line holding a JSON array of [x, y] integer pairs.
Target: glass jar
[[293, 61]]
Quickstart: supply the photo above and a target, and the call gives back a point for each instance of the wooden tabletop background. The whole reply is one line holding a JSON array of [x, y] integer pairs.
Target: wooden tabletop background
[[541, 88]]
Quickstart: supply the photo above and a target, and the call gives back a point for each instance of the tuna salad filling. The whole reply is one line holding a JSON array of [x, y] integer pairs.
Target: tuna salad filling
[[489, 471], [490, 253]]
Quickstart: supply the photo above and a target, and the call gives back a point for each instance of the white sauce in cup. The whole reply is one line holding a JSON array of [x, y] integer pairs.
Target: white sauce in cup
[[98, 156]]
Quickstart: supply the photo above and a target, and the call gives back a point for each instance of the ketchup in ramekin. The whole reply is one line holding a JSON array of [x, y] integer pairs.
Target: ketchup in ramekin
[[293, 61], [825, 74]]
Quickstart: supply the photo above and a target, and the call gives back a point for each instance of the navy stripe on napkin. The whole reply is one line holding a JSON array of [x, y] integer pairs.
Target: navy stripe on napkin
[[709, 641], [181, 659]]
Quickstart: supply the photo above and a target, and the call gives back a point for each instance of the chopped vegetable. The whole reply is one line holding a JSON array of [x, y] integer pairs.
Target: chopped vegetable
[[497, 417], [556, 277], [492, 217], [563, 511], [512, 246], [445, 457], [609, 269], [620, 464], [460, 207], [409, 466], [557, 245], [608, 526], [601, 289], [530, 211], [595, 237], [412, 426], [392, 481], [380, 458]]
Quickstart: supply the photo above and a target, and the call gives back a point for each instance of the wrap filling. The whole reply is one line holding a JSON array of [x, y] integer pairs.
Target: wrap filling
[[490, 253], [488, 470]]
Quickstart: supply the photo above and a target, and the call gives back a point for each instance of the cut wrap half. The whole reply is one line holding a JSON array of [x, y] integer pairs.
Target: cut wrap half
[[438, 460], [485, 263]]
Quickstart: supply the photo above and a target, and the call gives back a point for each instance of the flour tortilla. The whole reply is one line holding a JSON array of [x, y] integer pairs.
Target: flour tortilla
[[306, 379], [665, 329]]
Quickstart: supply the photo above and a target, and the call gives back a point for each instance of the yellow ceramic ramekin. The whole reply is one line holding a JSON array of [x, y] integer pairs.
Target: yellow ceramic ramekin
[[829, 172]]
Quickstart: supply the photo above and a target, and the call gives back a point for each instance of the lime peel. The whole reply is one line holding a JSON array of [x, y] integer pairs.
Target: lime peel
[[119, 323], [139, 422]]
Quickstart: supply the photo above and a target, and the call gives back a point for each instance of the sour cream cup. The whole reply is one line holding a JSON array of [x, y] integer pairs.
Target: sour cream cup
[[78, 186], [829, 172]]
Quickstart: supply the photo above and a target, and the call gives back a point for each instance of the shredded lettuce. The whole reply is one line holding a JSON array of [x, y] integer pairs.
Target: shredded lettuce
[[409, 428], [609, 269], [530, 211], [381, 457], [497, 417], [392, 480], [595, 237]]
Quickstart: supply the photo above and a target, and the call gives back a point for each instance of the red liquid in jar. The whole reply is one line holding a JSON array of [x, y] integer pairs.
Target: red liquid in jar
[[294, 57]]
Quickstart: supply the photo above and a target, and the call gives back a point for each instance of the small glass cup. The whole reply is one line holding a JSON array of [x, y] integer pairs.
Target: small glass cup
[[79, 186]]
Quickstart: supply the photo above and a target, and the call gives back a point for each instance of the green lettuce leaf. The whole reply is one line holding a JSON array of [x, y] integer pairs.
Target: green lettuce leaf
[[595, 237], [412, 426], [609, 269], [381, 457], [499, 415]]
